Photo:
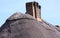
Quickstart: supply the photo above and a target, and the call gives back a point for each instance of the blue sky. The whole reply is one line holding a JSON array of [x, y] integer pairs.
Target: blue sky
[[50, 9]]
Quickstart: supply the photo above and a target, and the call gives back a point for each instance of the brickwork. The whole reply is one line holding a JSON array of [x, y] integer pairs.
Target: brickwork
[[34, 9]]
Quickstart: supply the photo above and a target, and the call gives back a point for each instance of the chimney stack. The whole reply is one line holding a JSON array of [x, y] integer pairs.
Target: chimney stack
[[34, 9]]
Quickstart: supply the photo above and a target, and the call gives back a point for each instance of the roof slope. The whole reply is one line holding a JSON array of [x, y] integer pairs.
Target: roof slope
[[25, 26]]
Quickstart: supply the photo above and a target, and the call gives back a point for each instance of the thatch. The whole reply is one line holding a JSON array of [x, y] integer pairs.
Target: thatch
[[25, 26]]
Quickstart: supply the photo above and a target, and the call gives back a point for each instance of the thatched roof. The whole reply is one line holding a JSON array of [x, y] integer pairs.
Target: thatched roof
[[25, 26]]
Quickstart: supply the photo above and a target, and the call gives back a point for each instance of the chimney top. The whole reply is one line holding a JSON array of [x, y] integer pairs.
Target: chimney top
[[34, 9]]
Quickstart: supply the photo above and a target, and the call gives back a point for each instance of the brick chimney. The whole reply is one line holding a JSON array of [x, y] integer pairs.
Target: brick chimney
[[34, 9]]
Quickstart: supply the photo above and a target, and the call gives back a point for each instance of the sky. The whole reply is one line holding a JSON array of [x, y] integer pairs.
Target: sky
[[50, 9]]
